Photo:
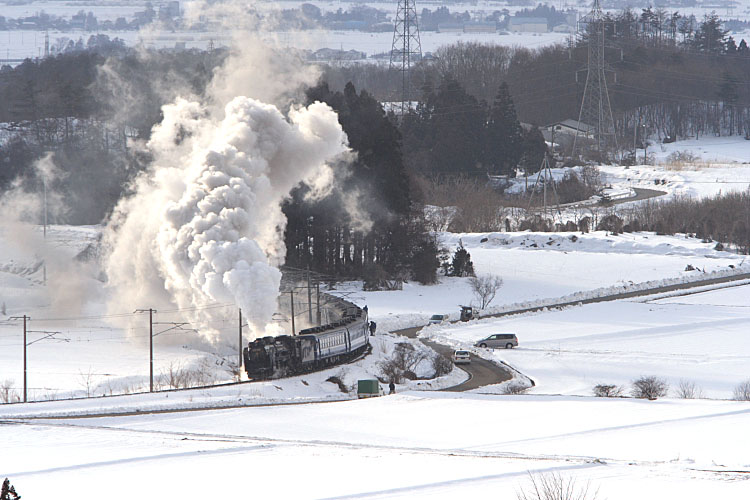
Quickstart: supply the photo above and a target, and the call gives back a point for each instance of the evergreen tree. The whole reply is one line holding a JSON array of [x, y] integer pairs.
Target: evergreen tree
[[504, 136], [534, 149], [461, 266], [742, 48], [454, 123], [331, 239], [730, 46], [710, 35]]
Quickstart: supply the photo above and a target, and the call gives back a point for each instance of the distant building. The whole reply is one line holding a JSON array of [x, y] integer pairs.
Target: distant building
[[450, 28], [527, 24], [337, 55], [562, 134], [479, 27]]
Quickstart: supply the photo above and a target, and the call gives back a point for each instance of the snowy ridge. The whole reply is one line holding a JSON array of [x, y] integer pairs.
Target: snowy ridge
[[596, 242], [614, 292]]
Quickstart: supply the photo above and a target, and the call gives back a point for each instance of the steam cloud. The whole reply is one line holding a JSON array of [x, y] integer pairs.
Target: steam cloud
[[205, 223]]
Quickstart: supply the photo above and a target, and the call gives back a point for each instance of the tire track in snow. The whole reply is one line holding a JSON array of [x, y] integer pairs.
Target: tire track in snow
[[455, 482], [457, 452], [617, 428], [148, 458]]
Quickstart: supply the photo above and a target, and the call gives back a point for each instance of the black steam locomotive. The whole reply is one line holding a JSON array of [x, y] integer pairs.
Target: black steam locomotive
[[312, 349]]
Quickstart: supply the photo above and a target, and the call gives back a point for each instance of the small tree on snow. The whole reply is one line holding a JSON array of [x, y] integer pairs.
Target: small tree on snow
[[485, 288], [462, 265]]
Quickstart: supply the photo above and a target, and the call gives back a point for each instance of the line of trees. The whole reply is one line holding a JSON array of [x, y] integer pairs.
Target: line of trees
[[452, 133], [386, 237]]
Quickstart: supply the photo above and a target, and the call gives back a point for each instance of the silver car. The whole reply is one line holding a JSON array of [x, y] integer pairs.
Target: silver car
[[507, 340], [461, 357], [436, 319]]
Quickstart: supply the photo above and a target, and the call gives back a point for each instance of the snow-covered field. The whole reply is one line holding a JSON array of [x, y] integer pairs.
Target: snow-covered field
[[411, 445], [538, 266], [415, 444], [703, 339]]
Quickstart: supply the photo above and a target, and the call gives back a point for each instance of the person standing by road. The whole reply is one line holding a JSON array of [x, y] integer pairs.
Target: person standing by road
[[391, 388]]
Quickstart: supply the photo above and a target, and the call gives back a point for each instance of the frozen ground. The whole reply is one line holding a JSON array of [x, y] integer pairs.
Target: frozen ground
[[412, 445]]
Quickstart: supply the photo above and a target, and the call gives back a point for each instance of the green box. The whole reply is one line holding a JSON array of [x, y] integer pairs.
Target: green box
[[368, 388]]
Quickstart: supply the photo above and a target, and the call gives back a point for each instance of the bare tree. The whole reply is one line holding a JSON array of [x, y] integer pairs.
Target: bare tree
[[608, 391], [485, 288], [650, 388], [402, 364], [742, 391], [687, 389], [7, 393], [555, 487], [441, 365], [87, 381]]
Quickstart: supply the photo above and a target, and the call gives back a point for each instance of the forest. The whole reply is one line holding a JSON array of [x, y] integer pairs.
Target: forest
[[479, 111]]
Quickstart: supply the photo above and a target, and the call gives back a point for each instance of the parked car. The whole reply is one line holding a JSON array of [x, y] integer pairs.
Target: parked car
[[507, 340], [461, 357], [436, 319]]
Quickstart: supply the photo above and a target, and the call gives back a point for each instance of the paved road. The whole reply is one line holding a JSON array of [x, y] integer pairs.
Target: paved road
[[481, 371], [484, 372]]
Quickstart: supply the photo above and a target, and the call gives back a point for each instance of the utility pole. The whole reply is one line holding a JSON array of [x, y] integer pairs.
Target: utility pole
[[291, 301], [317, 301], [309, 297], [240, 351], [151, 350], [406, 48], [545, 176], [150, 346], [25, 386], [44, 183], [596, 111], [24, 358]]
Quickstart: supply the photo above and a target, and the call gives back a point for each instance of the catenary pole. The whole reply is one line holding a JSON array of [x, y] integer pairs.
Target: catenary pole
[[24, 358], [240, 350], [309, 297]]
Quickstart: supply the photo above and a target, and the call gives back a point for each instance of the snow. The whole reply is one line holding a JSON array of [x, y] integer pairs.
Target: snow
[[416, 445], [546, 268], [304, 437], [699, 338]]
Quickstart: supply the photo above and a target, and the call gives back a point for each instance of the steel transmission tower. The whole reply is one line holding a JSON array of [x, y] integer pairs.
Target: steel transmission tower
[[595, 118], [406, 49]]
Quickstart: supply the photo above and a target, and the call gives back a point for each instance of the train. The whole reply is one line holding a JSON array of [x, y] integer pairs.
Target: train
[[312, 348]]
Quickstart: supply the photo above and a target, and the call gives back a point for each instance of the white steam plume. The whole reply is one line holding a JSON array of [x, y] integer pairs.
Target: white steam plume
[[206, 225]]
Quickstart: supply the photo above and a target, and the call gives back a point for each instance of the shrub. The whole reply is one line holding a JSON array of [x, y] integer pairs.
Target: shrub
[[441, 365], [334, 379], [555, 487], [7, 393], [742, 391], [608, 391], [650, 388], [515, 388], [611, 223], [689, 390], [402, 363]]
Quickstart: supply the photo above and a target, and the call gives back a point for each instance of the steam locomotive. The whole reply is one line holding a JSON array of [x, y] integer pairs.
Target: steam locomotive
[[312, 349]]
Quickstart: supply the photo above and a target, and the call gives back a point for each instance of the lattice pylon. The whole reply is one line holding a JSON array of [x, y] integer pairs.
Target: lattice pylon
[[406, 49], [596, 110]]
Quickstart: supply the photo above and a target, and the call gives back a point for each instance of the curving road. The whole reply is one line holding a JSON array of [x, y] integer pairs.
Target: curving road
[[481, 371]]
